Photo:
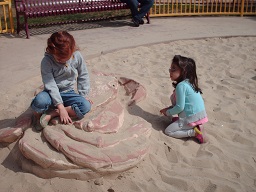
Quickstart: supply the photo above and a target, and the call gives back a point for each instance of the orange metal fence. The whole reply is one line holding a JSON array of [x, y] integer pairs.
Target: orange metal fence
[[203, 7], [6, 18]]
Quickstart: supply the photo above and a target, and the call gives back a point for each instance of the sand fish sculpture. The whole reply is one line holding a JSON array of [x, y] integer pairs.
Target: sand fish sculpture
[[104, 142]]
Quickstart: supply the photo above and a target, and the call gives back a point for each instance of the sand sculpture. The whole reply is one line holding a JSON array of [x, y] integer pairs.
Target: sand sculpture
[[101, 143]]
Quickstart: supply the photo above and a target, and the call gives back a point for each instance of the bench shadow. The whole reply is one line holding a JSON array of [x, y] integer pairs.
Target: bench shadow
[[113, 23], [116, 23], [158, 122]]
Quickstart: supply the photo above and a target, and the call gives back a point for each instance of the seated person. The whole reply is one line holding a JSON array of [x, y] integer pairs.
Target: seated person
[[137, 15]]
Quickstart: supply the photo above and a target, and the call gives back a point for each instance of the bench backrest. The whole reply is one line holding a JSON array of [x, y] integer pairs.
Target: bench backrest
[[22, 5], [55, 2]]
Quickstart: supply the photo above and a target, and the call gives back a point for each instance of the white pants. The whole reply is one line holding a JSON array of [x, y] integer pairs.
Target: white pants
[[178, 130]]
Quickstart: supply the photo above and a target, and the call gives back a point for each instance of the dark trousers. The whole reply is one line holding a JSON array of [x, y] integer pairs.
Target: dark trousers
[[145, 6]]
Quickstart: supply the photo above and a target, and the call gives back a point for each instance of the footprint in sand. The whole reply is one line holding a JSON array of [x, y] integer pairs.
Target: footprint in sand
[[170, 154]]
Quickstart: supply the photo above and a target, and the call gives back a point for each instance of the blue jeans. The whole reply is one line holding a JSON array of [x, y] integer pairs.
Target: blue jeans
[[43, 102], [145, 6]]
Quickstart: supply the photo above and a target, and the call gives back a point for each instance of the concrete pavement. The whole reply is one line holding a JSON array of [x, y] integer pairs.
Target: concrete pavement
[[20, 57]]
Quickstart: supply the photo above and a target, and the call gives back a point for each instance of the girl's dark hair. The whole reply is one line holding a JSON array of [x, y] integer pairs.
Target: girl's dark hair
[[62, 44], [188, 71]]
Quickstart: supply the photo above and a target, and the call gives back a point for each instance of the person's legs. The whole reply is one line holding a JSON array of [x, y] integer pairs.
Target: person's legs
[[133, 5], [145, 6], [174, 130], [41, 102], [76, 104]]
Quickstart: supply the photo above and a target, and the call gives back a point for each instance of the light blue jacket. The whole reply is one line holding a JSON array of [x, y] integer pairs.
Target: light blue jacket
[[58, 77], [188, 102]]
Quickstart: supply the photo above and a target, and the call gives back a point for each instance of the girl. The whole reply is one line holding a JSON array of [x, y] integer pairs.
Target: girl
[[61, 68], [186, 100]]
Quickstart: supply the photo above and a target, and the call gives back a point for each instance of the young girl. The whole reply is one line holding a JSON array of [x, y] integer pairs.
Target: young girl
[[61, 68], [186, 100]]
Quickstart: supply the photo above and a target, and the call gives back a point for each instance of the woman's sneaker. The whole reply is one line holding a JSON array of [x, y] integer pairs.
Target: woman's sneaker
[[199, 134]]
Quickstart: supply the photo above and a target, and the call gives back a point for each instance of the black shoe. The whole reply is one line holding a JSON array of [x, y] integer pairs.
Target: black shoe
[[136, 22], [141, 22]]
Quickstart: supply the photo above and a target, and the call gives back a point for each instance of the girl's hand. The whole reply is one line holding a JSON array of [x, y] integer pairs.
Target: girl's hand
[[163, 111], [64, 117]]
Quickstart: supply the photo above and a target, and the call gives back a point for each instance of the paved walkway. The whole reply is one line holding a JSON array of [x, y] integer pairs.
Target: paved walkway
[[16, 52], [163, 29]]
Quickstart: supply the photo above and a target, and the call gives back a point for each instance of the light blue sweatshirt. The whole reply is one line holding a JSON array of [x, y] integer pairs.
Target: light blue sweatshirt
[[59, 77], [188, 102]]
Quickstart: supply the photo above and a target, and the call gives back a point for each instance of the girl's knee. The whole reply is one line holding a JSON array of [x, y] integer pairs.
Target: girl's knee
[[41, 102], [168, 132], [81, 108], [85, 107]]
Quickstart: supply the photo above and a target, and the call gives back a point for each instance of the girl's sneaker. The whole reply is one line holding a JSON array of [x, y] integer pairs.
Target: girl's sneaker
[[199, 134]]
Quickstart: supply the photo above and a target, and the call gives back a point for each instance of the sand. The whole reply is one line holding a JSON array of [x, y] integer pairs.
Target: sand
[[227, 75]]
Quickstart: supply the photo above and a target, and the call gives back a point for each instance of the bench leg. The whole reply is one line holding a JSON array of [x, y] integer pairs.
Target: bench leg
[[26, 27], [18, 23]]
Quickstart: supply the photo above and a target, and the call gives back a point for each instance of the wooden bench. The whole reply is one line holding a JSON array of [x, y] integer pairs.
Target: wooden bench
[[44, 8]]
